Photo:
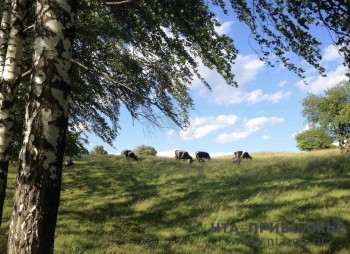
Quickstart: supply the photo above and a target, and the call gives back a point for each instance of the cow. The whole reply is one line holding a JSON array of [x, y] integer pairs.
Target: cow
[[178, 154], [237, 158], [202, 156], [246, 155], [129, 155], [183, 155]]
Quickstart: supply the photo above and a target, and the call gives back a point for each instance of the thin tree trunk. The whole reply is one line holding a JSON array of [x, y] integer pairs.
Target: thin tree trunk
[[4, 36], [37, 194], [9, 82], [4, 33]]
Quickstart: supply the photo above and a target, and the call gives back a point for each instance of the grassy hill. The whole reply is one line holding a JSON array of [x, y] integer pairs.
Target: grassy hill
[[160, 205]]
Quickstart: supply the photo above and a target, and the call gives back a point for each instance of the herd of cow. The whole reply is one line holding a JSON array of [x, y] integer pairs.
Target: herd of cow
[[200, 156]]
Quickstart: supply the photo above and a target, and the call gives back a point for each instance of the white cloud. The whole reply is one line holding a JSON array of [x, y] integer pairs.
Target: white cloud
[[265, 137], [202, 126], [282, 83], [250, 127], [306, 128], [317, 84], [171, 133], [331, 54], [170, 153], [224, 28], [259, 96], [246, 69]]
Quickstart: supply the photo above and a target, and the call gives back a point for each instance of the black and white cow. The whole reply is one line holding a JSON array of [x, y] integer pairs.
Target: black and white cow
[[246, 155], [129, 155], [183, 155], [202, 156]]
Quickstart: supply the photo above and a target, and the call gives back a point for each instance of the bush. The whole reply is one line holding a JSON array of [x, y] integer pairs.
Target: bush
[[98, 150], [145, 150], [314, 139]]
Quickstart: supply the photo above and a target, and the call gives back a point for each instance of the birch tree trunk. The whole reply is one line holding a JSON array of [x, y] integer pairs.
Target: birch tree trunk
[[36, 200], [10, 78], [4, 33]]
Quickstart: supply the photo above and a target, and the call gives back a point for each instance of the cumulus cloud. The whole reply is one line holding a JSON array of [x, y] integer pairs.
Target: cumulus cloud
[[246, 69], [331, 54], [258, 96], [250, 127], [202, 126], [224, 28], [316, 83]]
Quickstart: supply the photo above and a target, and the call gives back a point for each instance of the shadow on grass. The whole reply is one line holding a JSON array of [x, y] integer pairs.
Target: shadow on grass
[[166, 206]]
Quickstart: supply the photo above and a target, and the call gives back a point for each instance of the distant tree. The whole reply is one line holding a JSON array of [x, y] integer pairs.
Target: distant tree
[[98, 150], [331, 112], [145, 150], [314, 139]]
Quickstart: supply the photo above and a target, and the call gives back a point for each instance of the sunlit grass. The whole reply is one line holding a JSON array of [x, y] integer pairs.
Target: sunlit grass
[[160, 205]]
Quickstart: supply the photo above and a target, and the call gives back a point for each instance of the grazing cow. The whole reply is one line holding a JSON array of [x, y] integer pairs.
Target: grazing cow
[[178, 154], [69, 161], [202, 156], [246, 155], [183, 155], [237, 157], [129, 155]]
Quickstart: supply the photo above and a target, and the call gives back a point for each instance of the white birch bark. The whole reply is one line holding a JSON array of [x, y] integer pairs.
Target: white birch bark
[[37, 194], [4, 33], [9, 82]]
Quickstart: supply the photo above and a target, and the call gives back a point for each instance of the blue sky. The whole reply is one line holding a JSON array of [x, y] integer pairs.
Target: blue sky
[[262, 114]]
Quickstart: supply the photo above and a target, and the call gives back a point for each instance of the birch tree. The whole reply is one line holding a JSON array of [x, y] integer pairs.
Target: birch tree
[[13, 46], [40, 164], [5, 27]]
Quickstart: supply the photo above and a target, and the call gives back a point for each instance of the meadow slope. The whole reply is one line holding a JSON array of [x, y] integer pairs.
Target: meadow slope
[[159, 205]]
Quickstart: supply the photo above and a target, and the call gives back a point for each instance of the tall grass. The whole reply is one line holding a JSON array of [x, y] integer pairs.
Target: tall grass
[[159, 205]]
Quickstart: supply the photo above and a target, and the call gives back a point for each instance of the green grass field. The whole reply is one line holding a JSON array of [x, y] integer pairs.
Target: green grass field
[[159, 205]]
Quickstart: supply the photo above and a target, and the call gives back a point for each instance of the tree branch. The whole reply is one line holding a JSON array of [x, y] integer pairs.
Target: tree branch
[[109, 78], [118, 2]]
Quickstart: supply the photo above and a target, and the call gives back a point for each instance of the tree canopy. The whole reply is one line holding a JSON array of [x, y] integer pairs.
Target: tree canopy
[[281, 27], [331, 111], [99, 150], [315, 138], [143, 54], [145, 150]]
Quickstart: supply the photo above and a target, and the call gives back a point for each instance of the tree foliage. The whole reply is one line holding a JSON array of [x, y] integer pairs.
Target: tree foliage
[[314, 139], [99, 150], [281, 27], [143, 55], [145, 150], [331, 111]]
